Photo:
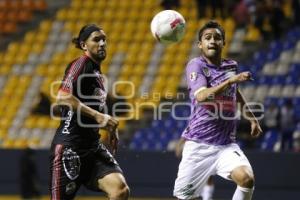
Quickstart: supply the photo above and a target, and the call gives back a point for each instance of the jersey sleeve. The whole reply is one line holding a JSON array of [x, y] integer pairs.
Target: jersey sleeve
[[70, 79], [195, 77]]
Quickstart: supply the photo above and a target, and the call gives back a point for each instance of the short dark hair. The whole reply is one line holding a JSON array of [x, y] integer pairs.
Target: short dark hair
[[211, 24], [84, 33]]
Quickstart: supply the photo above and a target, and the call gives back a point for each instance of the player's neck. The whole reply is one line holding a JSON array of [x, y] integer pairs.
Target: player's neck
[[213, 61], [93, 59]]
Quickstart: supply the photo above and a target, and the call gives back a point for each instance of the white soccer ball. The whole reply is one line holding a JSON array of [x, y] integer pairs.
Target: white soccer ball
[[168, 26]]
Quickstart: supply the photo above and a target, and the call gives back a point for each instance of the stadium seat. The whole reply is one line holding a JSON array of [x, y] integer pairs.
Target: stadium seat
[[269, 140], [269, 68]]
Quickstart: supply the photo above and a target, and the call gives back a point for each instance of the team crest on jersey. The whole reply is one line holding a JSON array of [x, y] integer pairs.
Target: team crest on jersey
[[206, 71], [193, 76], [71, 163]]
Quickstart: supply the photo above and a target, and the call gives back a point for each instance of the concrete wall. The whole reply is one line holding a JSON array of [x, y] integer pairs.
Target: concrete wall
[[153, 174]]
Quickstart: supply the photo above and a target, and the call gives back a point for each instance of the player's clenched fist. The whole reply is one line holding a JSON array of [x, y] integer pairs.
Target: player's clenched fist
[[107, 122], [244, 76]]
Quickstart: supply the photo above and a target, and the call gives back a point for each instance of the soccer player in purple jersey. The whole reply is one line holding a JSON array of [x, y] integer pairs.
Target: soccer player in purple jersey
[[77, 156], [210, 146]]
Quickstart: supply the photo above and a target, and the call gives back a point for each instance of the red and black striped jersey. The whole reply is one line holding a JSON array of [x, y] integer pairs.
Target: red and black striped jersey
[[82, 79]]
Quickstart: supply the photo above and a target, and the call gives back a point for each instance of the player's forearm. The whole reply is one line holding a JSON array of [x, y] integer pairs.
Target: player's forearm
[[242, 101], [74, 103], [204, 94]]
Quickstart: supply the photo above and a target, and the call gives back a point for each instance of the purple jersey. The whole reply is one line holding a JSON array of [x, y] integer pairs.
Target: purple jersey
[[213, 121]]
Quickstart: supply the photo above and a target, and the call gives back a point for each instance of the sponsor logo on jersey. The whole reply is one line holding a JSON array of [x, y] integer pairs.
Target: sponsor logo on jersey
[[67, 123], [193, 76]]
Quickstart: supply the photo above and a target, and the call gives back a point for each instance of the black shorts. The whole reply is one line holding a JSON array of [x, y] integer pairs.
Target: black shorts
[[72, 167]]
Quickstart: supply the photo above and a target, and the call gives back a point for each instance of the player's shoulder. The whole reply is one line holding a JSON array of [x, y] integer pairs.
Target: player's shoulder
[[195, 62], [82, 60], [228, 61]]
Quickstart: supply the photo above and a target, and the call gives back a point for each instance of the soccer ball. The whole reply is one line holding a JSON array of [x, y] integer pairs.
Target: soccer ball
[[168, 26]]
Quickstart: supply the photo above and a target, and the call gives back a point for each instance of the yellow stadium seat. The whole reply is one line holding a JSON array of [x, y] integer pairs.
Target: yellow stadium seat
[[229, 24], [30, 122], [253, 34], [21, 59], [20, 143], [76, 4], [29, 37], [72, 15], [139, 70], [122, 124], [136, 80], [5, 123], [41, 70], [42, 122], [41, 37], [164, 70], [62, 14], [54, 123], [35, 141], [13, 47], [8, 143], [3, 133], [5, 69], [46, 26], [70, 26], [177, 69], [9, 59], [52, 71], [84, 14], [25, 49], [127, 68], [37, 47]]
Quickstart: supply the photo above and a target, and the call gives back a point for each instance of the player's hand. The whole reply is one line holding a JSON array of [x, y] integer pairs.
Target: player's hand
[[256, 130], [114, 140], [107, 122], [244, 76], [179, 148]]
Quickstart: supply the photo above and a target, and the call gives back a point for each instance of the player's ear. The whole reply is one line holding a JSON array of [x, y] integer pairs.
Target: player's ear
[[83, 46], [200, 45]]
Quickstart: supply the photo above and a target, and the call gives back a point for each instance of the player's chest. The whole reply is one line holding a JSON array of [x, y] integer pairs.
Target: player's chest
[[215, 76]]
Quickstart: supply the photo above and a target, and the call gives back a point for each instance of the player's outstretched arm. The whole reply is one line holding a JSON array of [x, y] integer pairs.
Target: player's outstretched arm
[[255, 127], [67, 99], [203, 94]]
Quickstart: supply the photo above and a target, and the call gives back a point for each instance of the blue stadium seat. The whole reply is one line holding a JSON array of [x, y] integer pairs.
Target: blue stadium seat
[[289, 44], [265, 80], [169, 123], [295, 69], [269, 140], [272, 55], [275, 48], [276, 45], [296, 103], [271, 100], [181, 124], [157, 124], [259, 58], [294, 34], [292, 80], [242, 68], [136, 145], [278, 80]]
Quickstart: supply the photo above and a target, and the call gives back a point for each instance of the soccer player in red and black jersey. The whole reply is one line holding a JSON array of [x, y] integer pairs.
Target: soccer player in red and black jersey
[[77, 156]]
